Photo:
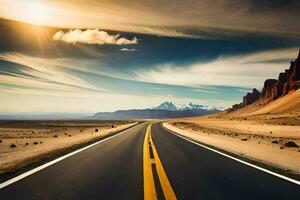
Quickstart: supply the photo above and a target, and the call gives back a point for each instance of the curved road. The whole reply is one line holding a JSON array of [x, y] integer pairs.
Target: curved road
[[113, 169]]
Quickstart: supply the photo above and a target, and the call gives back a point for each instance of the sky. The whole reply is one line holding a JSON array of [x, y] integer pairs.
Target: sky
[[86, 56]]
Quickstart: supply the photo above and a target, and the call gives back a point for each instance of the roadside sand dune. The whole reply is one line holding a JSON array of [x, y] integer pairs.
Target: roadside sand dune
[[288, 104]]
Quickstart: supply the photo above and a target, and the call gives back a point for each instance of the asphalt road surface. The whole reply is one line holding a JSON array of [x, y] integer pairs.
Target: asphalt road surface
[[114, 169]]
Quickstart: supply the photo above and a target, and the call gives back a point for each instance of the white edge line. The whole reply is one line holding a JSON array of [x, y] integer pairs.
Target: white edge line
[[30, 172], [234, 158]]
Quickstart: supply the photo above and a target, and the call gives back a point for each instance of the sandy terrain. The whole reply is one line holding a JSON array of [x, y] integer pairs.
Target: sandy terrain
[[253, 138], [24, 142], [288, 105]]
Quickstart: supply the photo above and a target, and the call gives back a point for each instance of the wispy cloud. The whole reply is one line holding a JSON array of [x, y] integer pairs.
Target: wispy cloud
[[92, 36], [73, 85], [165, 17], [42, 74], [127, 50], [236, 71]]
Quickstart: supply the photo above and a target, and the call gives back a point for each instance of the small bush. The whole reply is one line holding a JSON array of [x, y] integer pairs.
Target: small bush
[[55, 136], [96, 130], [27, 143], [0, 141], [113, 126], [291, 144], [69, 135], [13, 146], [35, 143]]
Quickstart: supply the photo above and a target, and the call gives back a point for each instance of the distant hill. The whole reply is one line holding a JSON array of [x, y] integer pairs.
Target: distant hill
[[165, 110]]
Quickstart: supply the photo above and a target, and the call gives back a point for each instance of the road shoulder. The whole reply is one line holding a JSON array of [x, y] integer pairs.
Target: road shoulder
[[224, 146], [46, 157]]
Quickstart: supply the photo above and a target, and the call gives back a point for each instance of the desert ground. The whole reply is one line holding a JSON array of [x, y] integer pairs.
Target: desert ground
[[265, 132], [26, 142], [273, 139]]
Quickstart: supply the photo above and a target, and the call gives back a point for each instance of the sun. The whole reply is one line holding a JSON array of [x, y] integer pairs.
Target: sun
[[35, 13]]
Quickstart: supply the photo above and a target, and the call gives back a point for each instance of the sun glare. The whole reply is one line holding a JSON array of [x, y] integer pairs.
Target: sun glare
[[34, 13]]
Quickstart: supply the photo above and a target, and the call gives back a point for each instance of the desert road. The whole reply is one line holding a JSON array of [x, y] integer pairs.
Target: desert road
[[148, 162]]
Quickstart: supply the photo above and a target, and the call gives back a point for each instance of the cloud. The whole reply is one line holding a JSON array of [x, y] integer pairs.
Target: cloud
[[246, 71], [127, 50], [92, 36], [42, 75], [156, 17]]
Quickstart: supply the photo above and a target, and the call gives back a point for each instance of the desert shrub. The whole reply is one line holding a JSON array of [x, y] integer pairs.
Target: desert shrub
[[27, 143], [35, 143], [69, 135], [291, 144], [96, 130], [0, 141], [13, 146], [55, 136]]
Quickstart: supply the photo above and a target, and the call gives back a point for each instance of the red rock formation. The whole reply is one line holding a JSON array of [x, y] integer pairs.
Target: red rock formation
[[236, 106], [286, 86], [267, 89], [288, 81], [251, 97], [295, 74]]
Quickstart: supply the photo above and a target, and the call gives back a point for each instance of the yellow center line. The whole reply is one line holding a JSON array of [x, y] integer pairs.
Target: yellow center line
[[149, 187], [164, 181]]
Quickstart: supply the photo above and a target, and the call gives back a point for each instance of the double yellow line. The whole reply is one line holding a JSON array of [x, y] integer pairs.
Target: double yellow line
[[148, 164]]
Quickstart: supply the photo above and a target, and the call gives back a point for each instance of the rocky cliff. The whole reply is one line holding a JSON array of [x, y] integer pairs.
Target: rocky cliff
[[288, 81], [251, 97]]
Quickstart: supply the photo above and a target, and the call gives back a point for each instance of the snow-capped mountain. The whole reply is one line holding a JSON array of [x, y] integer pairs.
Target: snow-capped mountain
[[170, 106], [166, 106], [164, 110], [192, 106]]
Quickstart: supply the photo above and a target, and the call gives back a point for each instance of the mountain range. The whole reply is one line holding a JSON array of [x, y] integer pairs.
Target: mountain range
[[164, 110]]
